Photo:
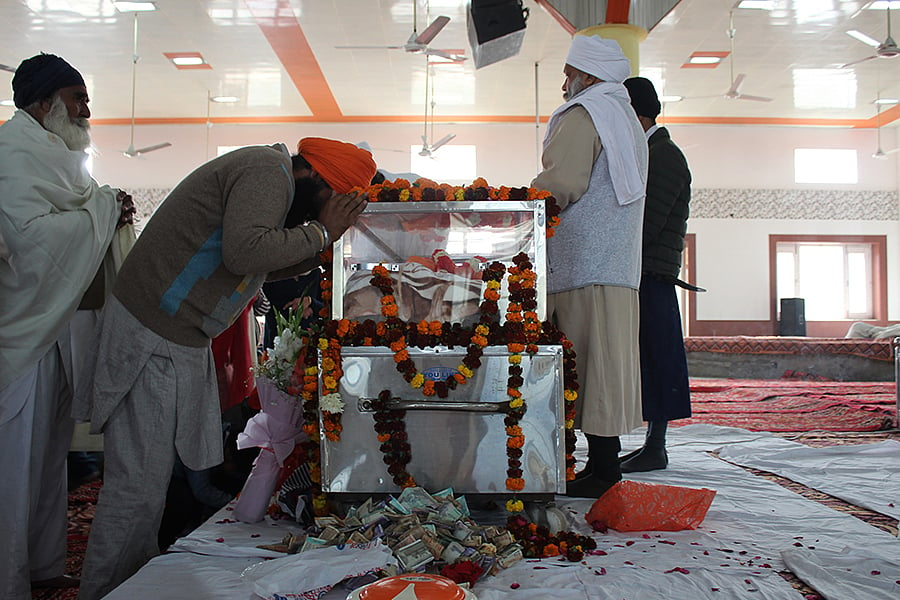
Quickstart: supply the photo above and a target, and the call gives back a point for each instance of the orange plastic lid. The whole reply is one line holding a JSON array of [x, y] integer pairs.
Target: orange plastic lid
[[413, 586]]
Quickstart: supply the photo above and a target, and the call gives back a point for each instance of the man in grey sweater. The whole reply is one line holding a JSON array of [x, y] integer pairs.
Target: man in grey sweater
[[254, 214]]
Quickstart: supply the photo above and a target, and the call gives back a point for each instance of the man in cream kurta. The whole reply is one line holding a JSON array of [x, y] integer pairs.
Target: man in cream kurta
[[595, 164], [56, 224]]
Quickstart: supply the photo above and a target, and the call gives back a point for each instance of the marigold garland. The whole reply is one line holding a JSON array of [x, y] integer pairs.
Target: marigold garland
[[425, 190], [538, 542], [390, 426], [522, 333]]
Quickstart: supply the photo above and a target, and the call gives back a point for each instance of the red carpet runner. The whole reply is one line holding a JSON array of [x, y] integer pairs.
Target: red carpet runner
[[793, 405]]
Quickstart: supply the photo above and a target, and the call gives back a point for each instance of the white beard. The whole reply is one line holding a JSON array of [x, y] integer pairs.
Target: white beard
[[573, 88], [76, 133]]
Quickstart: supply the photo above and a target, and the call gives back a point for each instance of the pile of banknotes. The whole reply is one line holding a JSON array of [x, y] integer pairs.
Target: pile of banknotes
[[424, 531]]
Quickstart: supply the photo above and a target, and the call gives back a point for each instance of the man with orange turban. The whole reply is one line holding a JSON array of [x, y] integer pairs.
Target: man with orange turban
[[252, 215]]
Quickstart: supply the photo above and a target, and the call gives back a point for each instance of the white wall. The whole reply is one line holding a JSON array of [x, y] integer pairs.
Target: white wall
[[732, 254]]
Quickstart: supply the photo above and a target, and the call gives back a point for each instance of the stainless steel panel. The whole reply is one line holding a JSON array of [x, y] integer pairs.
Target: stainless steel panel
[[458, 445]]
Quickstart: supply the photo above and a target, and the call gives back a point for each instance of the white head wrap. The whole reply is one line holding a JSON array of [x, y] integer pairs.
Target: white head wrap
[[599, 57]]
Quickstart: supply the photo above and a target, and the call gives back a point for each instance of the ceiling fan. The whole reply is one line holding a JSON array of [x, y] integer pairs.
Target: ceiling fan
[[418, 42], [734, 92], [879, 153], [428, 149], [7, 68], [132, 152], [886, 49]]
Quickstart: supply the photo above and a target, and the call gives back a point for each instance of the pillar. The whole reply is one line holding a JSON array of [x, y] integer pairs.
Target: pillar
[[628, 36]]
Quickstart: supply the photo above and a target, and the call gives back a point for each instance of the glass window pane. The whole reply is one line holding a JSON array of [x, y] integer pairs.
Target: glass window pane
[[822, 281], [858, 284], [785, 286]]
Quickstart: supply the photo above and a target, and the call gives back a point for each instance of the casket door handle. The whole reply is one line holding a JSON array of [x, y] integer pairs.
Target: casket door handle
[[367, 405]]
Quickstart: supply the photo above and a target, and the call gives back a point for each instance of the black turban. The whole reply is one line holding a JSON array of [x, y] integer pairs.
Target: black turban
[[40, 76], [643, 97]]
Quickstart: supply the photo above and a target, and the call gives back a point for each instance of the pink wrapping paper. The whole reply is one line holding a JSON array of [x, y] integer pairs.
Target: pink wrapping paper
[[276, 430]]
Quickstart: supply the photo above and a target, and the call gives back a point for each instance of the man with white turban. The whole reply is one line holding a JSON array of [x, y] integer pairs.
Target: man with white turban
[[251, 215], [56, 229], [595, 164]]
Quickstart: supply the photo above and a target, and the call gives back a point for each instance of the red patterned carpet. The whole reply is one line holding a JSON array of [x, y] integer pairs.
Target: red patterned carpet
[[786, 405], [82, 502]]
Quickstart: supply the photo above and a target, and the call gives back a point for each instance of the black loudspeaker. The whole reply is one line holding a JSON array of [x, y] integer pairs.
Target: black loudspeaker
[[793, 317], [496, 30]]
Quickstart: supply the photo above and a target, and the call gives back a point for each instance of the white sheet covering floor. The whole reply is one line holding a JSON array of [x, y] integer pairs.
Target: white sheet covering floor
[[753, 529]]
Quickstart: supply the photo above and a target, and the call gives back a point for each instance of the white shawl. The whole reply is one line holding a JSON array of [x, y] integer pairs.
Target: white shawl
[[56, 224], [620, 133]]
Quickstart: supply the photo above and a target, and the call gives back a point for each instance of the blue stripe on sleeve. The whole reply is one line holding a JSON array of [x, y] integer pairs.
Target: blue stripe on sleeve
[[201, 266]]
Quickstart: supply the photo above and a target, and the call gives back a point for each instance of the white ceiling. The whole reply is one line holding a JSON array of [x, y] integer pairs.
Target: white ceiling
[[257, 53]]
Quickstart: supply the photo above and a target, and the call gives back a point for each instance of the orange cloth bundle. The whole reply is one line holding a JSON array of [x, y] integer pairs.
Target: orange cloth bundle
[[343, 166], [636, 506]]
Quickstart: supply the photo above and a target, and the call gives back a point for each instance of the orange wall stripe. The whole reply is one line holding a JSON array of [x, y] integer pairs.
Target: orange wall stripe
[[277, 22], [886, 117]]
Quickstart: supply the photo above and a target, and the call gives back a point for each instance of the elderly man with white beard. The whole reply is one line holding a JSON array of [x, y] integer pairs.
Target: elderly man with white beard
[[57, 226]]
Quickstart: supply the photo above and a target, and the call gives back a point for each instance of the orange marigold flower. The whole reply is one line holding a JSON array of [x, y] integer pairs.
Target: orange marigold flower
[[491, 295], [387, 299], [515, 348], [343, 327], [428, 387], [551, 550], [515, 441], [460, 378], [435, 328], [384, 437], [515, 484], [401, 355], [381, 328], [422, 327], [389, 311], [479, 340], [514, 430], [398, 345], [513, 392]]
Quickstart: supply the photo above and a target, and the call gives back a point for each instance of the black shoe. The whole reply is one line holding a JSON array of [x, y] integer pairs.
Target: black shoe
[[646, 459], [588, 469], [631, 454], [589, 486]]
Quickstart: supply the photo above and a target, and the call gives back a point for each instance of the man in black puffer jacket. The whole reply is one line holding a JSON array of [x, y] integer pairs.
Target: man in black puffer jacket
[[665, 392]]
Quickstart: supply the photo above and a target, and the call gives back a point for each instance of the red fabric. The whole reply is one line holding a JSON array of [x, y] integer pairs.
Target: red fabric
[[637, 506], [877, 349], [234, 363], [343, 166]]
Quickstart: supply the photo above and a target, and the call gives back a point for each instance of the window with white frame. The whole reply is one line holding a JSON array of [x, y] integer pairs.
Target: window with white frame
[[835, 279]]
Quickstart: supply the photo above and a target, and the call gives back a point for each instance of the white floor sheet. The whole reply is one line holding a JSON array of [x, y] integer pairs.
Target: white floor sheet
[[867, 475], [753, 528]]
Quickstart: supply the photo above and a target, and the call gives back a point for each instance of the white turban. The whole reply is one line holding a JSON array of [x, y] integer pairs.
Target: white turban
[[599, 57]]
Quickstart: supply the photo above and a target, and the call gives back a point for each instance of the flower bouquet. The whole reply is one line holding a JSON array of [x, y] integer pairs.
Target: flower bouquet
[[277, 428]]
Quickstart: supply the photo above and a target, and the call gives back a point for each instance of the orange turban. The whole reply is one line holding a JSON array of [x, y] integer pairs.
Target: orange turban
[[343, 166]]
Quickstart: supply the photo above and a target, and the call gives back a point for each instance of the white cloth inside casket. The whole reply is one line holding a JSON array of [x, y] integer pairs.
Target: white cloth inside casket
[[421, 294]]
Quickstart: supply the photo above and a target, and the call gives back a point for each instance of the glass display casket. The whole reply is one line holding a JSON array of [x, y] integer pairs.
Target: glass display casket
[[434, 253]]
